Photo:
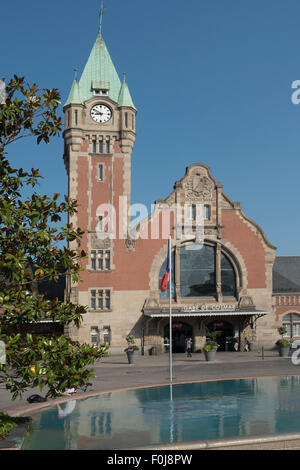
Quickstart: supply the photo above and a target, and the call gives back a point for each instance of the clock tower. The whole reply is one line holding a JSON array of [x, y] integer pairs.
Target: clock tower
[[98, 140]]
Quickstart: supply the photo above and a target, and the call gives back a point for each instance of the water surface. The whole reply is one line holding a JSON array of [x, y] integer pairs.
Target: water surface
[[163, 415]]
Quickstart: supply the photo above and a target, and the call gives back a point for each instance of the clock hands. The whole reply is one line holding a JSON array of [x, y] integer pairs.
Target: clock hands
[[101, 113]]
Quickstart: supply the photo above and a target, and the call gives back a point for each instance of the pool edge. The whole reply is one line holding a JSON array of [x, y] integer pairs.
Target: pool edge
[[32, 409], [264, 442]]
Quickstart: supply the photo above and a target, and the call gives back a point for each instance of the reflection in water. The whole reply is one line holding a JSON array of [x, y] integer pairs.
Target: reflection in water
[[175, 413], [66, 409], [171, 415]]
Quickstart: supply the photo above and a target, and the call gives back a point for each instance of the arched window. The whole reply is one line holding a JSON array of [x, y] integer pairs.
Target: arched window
[[228, 284], [292, 323], [197, 273]]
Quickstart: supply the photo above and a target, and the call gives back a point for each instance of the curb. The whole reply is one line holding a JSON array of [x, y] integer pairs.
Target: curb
[[15, 438]]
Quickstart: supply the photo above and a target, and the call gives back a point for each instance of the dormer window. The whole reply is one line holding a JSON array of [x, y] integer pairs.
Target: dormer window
[[100, 88], [98, 92]]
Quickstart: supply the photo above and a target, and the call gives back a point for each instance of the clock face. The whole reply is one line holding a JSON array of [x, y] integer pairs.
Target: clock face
[[101, 113]]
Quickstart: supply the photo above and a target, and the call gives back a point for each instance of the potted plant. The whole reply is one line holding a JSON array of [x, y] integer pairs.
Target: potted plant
[[210, 350], [131, 349], [283, 344]]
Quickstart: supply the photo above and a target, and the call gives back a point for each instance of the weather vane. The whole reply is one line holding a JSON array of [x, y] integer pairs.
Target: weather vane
[[102, 10]]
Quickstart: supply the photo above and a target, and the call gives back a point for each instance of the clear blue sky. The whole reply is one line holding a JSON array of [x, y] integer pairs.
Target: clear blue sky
[[212, 83]]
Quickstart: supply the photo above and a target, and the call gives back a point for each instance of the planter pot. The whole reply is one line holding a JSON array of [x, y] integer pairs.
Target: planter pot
[[284, 351], [210, 355], [131, 356]]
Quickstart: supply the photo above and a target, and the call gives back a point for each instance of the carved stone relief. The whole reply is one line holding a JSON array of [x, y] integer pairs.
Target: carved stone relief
[[98, 243], [246, 301], [130, 244], [151, 303], [198, 188]]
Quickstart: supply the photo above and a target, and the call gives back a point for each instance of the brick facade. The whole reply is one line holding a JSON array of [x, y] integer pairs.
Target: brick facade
[[129, 285]]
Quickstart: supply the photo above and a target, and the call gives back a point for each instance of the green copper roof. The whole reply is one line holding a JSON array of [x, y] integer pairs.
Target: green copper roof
[[74, 95], [99, 69], [124, 96]]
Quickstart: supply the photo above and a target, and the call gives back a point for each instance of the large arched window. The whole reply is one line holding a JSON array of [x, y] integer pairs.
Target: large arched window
[[197, 272], [204, 272], [228, 282]]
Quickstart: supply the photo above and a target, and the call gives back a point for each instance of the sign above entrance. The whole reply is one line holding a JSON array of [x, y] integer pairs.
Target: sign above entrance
[[210, 307], [177, 324], [218, 324]]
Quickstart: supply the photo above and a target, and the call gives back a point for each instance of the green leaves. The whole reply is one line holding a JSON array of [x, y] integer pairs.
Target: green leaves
[[54, 363], [28, 110], [32, 252]]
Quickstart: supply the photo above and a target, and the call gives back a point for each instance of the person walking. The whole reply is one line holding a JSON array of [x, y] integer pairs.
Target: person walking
[[236, 343], [246, 345], [189, 347]]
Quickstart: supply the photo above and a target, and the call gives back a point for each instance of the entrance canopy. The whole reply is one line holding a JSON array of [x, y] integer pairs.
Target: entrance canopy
[[203, 313]]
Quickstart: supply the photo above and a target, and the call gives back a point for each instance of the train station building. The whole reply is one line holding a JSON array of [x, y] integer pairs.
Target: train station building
[[224, 272]]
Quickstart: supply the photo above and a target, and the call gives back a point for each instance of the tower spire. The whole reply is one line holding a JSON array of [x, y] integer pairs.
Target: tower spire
[[102, 10]]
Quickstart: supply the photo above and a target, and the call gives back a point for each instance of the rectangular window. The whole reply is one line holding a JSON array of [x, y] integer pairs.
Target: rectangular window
[[93, 259], [76, 117], [107, 299], [207, 212], [93, 299], [107, 335], [132, 122], [94, 146], [107, 260], [94, 336], [191, 211], [126, 119], [100, 172], [100, 146], [107, 146], [296, 329], [101, 299], [69, 118], [100, 260], [288, 333]]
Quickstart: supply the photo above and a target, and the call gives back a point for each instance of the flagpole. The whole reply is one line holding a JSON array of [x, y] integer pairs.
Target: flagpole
[[170, 313]]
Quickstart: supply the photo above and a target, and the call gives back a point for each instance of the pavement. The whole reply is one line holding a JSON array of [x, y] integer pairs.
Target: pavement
[[114, 373]]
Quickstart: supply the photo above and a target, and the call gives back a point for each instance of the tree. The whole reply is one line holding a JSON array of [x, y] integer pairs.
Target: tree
[[32, 250]]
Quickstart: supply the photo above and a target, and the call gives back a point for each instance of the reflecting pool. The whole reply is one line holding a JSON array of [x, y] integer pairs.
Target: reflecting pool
[[169, 414]]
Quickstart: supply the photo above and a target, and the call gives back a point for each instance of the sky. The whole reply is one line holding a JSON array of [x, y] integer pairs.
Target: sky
[[212, 82]]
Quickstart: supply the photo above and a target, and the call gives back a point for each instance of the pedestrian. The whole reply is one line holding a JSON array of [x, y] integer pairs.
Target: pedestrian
[[246, 345], [189, 347], [236, 343]]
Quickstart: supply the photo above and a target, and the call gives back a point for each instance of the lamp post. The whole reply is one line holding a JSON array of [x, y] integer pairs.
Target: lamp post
[[170, 315]]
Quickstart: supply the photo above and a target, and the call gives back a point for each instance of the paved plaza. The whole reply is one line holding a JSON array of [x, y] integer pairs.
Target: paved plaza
[[114, 373]]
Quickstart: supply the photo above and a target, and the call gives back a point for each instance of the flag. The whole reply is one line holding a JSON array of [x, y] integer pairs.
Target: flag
[[165, 279]]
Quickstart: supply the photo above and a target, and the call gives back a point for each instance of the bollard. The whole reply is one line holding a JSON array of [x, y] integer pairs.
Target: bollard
[[262, 353]]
